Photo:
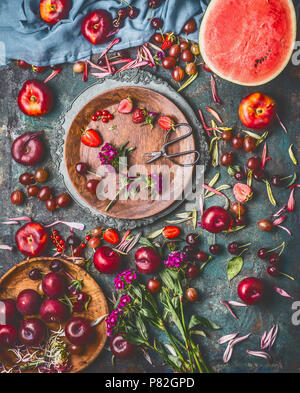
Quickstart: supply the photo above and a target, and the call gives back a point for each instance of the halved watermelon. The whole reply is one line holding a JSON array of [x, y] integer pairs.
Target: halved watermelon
[[248, 42]]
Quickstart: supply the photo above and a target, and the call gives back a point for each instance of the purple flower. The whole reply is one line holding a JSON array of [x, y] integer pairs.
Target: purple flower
[[125, 299], [175, 259], [124, 279], [107, 154]]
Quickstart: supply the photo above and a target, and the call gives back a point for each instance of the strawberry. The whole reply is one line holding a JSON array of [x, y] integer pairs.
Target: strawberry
[[171, 232], [242, 192], [111, 236], [91, 138], [139, 115], [166, 123], [126, 105], [38, 69], [168, 41]]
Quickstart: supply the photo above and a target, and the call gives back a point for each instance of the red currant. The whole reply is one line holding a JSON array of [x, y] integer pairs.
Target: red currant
[[104, 120], [110, 116], [88, 237], [105, 113], [94, 118], [82, 245]]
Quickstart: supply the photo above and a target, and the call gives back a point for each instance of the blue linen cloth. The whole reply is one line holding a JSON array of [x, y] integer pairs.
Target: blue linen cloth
[[23, 35]]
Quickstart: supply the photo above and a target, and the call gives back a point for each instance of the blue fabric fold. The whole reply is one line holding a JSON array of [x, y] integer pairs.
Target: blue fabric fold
[[23, 35]]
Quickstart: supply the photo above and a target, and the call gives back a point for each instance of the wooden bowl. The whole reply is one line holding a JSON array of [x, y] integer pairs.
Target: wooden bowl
[[16, 280], [119, 131]]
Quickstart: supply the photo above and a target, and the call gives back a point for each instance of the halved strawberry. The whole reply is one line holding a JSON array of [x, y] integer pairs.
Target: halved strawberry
[[126, 105], [139, 115], [91, 138], [166, 123], [242, 192], [111, 236]]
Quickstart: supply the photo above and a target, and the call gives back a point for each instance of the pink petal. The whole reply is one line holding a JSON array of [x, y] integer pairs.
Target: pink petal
[[75, 225], [228, 352], [53, 75], [260, 354], [225, 303], [214, 114], [282, 292], [97, 66], [99, 75], [114, 42], [239, 339], [85, 74], [279, 220], [282, 125], [228, 337], [213, 190], [238, 304], [10, 222], [264, 158], [291, 201], [149, 55], [5, 247], [262, 340], [285, 229], [280, 211], [201, 204], [214, 90], [22, 218], [273, 339], [203, 122]]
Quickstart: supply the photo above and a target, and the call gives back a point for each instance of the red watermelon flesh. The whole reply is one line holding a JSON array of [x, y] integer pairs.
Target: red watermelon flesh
[[248, 42]]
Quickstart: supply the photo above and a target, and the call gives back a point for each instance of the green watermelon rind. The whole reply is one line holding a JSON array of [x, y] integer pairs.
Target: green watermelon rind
[[211, 66]]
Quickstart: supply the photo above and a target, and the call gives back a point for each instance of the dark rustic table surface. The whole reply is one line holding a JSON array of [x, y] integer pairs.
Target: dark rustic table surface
[[212, 284]]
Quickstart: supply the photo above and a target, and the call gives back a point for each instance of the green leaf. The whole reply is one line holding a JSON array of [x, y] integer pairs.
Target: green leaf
[[179, 221], [184, 215], [212, 141], [292, 156], [234, 267], [167, 279], [270, 193], [195, 218], [294, 177], [262, 138], [220, 188], [215, 155], [252, 134], [249, 178], [141, 326], [145, 242], [235, 229], [199, 333], [203, 322], [134, 339], [155, 234], [213, 181]]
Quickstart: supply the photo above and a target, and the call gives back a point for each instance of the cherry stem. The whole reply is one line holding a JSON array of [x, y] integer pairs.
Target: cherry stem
[[287, 177], [287, 275], [282, 246], [125, 2], [92, 173], [244, 250], [245, 245]]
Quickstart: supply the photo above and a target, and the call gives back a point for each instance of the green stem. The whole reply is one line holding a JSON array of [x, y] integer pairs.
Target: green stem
[[113, 200], [185, 333], [173, 365]]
